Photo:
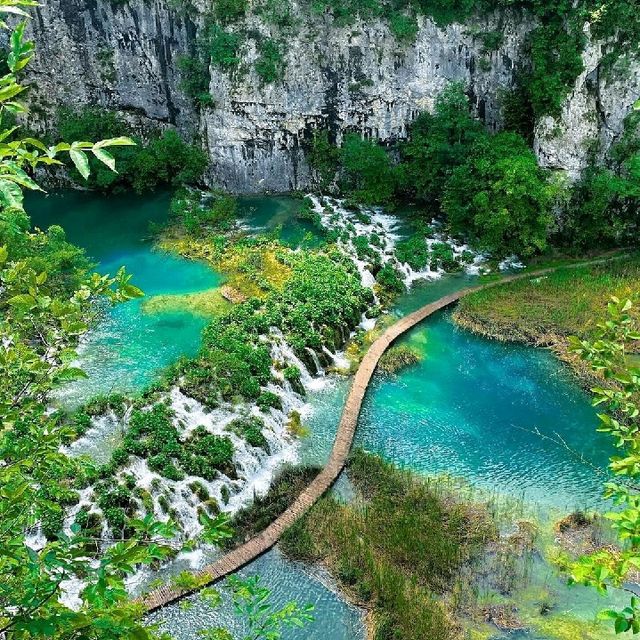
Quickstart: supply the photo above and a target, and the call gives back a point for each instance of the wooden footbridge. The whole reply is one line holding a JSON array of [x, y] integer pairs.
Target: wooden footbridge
[[256, 546]]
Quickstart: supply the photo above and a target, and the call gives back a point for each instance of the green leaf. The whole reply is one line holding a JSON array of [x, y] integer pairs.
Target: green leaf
[[11, 194], [80, 161], [122, 141], [105, 157]]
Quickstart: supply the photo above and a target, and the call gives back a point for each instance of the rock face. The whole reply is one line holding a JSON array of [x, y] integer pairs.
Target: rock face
[[592, 117], [123, 55]]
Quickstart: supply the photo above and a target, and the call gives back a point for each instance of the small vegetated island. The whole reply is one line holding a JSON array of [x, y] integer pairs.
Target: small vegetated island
[[499, 169]]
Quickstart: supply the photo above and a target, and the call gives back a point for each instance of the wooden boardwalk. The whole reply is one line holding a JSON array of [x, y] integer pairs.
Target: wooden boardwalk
[[256, 546]]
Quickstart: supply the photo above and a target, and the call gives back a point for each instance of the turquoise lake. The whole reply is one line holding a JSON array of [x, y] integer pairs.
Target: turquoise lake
[[509, 419], [128, 347]]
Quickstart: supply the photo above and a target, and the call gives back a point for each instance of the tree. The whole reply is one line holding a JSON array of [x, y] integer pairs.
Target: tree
[[439, 143], [500, 197], [42, 316], [369, 175], [608, 354]]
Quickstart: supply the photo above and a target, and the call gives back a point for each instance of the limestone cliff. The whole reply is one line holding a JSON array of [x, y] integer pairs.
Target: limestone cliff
[[124, 55]]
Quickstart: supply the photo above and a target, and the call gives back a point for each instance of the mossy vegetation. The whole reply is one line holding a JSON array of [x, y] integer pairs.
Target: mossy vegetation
[[204, 303], [397, 358], [545, 310], [399, 547]]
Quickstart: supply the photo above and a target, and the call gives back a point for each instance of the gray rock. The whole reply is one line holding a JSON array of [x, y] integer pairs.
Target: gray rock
[[358, 78]]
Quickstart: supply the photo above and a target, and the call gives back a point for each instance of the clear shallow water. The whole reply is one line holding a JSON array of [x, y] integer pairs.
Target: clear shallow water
[[278, 215], [507, 418], [335, 619], [128, 346]]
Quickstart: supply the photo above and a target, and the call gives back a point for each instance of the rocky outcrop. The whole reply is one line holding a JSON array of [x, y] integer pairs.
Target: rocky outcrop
[[120, 55], [124, 55], [593, 114]]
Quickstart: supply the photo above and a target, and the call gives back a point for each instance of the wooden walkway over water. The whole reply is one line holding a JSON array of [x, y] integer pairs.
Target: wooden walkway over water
[[256, 546]]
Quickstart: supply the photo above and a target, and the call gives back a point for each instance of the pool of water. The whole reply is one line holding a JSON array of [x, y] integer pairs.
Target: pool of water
[[128, 347], [505, 417], [278, 215], [288, 581]]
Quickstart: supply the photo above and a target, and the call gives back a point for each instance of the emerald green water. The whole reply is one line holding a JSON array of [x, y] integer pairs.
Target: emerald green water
[[507, 418], [128, 346]]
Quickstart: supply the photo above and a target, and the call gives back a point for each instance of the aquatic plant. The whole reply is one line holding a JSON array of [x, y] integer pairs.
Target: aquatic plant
[[396, 547], [397, 358]]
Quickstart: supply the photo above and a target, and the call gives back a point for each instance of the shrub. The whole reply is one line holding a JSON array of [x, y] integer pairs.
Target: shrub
[[389, 279], [223, 47], [397, 358], [269, 400], [270, 63], [204, 454], [194, 74], [368, 174], [500, 197], [414, 251], [164, 159], [250, 429], [228, 11]]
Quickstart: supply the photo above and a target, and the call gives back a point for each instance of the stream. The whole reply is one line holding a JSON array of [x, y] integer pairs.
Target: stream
[[507, 418]]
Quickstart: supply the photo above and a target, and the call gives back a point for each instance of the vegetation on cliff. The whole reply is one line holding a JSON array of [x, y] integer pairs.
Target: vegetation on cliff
[[161, 159]]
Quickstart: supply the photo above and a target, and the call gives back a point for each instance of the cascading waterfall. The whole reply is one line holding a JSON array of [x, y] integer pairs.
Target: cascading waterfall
[[374, 222]]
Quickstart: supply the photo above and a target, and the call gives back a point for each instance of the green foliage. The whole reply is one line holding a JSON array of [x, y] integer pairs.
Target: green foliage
[[398, 547], [608, 355], [500, 197], [153, 435], [203, 216], [404, 27], [223, 47], [229, 11], [252, 601], [439, 143], [390, 281], [165, 159], [270, 63], [604, 205], [557, 61], [368, 174], [194, 74], [569, 301], [250, 428], [397, 358], [414, 252]]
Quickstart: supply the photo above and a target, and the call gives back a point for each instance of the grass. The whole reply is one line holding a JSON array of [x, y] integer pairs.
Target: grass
[[397, 358], [258, 515], [398, 548], [546, 310]]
